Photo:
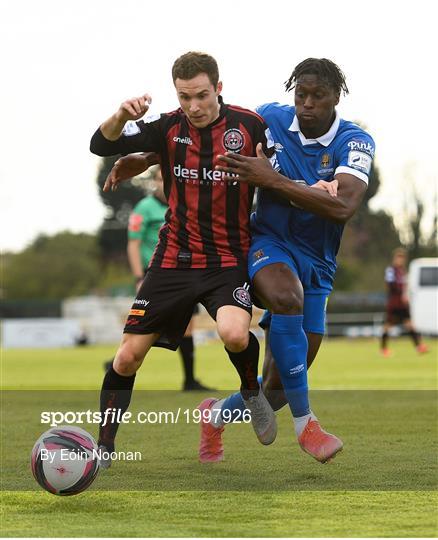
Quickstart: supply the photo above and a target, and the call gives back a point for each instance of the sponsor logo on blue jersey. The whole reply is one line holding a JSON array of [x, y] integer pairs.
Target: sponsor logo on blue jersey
[[360, 161], [362, 146]]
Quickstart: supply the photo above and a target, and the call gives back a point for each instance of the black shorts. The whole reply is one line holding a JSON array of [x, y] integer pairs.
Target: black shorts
[[165, 301], [195, 308], [397, 315]]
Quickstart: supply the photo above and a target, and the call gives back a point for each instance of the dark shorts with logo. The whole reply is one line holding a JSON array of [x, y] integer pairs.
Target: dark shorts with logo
[[167, 297]]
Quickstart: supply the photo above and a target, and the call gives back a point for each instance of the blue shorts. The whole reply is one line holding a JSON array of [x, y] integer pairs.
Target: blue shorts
[[317, 283]]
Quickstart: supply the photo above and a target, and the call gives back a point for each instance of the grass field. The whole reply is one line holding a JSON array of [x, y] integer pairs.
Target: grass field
[[383, 484]]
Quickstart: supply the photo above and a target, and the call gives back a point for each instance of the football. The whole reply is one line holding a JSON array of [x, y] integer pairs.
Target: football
[[65, 460]]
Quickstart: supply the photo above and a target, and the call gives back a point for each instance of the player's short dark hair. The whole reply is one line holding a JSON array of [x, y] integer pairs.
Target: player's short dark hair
[[326, 70], [191, 64]]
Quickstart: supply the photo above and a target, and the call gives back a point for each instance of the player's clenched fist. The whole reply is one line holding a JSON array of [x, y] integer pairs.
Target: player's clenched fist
[[134, 108], [131, 109]]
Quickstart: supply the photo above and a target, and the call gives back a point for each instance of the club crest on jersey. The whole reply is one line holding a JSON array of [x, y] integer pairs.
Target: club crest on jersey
[[325, 161], [242, 296], [258, 254], [233, 140]]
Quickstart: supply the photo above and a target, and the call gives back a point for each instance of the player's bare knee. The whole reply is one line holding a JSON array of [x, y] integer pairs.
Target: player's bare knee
[[127, 361], [286, 303], [235, 339]]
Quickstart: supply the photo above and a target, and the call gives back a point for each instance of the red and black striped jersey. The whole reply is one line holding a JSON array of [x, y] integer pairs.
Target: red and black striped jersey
[[396, 283], [207, 223]]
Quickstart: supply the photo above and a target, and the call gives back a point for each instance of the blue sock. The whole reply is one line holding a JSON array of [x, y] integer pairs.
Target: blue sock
[[289, 347], [234, 406]]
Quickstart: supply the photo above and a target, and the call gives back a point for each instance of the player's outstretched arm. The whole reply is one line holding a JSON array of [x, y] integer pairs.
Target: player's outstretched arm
[[258, 171], [128, 166]]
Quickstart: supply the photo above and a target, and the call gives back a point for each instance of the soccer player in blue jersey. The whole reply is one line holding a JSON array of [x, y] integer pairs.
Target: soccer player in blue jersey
[[296, 235]]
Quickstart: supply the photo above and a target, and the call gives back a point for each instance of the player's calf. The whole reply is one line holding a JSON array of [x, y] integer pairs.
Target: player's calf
[[246, 364], [118, 384], [276, 397], [115, 396]]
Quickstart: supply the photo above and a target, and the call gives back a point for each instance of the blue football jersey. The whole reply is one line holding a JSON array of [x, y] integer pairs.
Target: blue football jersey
[[345, 148]]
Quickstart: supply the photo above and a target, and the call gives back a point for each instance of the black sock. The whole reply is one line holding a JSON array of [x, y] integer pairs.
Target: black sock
[[186, 349], [246, 362], [415, 336], [115, 394], [384, 340]]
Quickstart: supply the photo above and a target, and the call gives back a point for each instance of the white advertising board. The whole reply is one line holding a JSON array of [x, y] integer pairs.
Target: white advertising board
[[39, 333]]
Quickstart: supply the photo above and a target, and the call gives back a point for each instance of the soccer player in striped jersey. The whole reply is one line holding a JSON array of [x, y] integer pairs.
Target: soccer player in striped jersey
[[397, 303], [201, 255]]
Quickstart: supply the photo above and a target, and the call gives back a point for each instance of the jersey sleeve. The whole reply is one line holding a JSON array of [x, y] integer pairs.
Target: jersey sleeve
[[355, 155], [264, 109], [264, 136], [138, 220], [140, 136]]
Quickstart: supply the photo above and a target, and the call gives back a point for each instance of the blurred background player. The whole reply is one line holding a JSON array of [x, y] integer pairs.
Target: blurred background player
[[397, 304], [145, 222]]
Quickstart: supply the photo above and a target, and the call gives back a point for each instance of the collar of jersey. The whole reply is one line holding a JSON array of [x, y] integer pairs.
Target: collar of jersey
[[325, 139]]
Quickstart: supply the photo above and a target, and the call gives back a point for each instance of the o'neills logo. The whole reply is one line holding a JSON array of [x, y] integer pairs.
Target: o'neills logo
[[185, 140]]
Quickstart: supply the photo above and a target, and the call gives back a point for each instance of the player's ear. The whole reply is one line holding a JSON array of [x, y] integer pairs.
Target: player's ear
[[219, 88], [337, 97]]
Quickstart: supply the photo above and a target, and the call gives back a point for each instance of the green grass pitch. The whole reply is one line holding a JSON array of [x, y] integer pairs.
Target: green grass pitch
[[382, 485]]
